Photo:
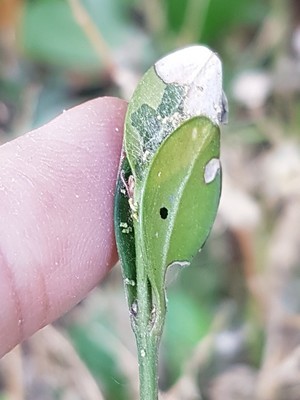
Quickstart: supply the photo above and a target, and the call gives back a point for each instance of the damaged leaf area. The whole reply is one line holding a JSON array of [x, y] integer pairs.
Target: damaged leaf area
[[169, 184]]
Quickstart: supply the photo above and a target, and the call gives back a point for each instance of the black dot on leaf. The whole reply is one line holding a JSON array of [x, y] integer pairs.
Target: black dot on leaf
[[163, 212]]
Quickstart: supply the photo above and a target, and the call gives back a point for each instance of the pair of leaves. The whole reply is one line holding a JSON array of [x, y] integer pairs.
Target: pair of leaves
[[177, 207], [169, 184]]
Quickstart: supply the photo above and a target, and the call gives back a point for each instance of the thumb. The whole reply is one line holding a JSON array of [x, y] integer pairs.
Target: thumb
[[56, 215]]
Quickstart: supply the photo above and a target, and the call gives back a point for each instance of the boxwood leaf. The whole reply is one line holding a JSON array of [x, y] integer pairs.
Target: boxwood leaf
[[180, 198]]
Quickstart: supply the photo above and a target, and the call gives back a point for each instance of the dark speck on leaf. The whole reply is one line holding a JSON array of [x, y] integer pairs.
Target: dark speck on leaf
[[163, 212]]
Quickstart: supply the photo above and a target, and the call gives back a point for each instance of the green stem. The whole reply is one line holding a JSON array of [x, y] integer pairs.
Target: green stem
[[148, 366], [148, 352], [147, 338]]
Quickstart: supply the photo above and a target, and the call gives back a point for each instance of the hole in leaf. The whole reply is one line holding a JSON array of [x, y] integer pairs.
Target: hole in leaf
[[163, 212]]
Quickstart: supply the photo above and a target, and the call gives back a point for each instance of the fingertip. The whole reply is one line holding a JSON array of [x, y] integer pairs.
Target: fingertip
[[57, 238]]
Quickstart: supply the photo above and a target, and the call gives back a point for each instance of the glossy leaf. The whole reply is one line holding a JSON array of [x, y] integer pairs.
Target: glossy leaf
[[179, 201]]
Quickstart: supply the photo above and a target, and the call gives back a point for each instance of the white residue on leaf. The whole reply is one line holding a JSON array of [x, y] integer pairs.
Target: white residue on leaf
[[130, 282], [211, 170], [200, 70], [125, 227]]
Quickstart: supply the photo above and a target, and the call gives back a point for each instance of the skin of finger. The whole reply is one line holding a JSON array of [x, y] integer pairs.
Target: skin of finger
[[56, 194]]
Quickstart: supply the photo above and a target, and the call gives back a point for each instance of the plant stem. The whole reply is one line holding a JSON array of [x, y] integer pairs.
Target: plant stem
[[148, 362], [147, 338]]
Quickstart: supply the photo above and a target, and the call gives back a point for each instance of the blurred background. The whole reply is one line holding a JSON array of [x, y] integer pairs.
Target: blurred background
[[233, 324]]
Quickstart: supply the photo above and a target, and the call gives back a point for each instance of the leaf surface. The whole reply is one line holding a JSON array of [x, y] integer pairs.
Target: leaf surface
[[178, 207]]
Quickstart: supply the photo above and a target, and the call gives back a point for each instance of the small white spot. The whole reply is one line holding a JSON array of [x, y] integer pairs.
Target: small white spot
[[77, 196], [117, 129], [145, 155], [125, 227], [211, 170], [143, 353], [194, 133], [156, 234], [130, 282], [159, 174], [127, 230]]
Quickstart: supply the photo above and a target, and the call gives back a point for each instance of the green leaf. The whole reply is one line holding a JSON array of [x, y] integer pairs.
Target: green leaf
[[124, 232], [179, 204], [168, 147]]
